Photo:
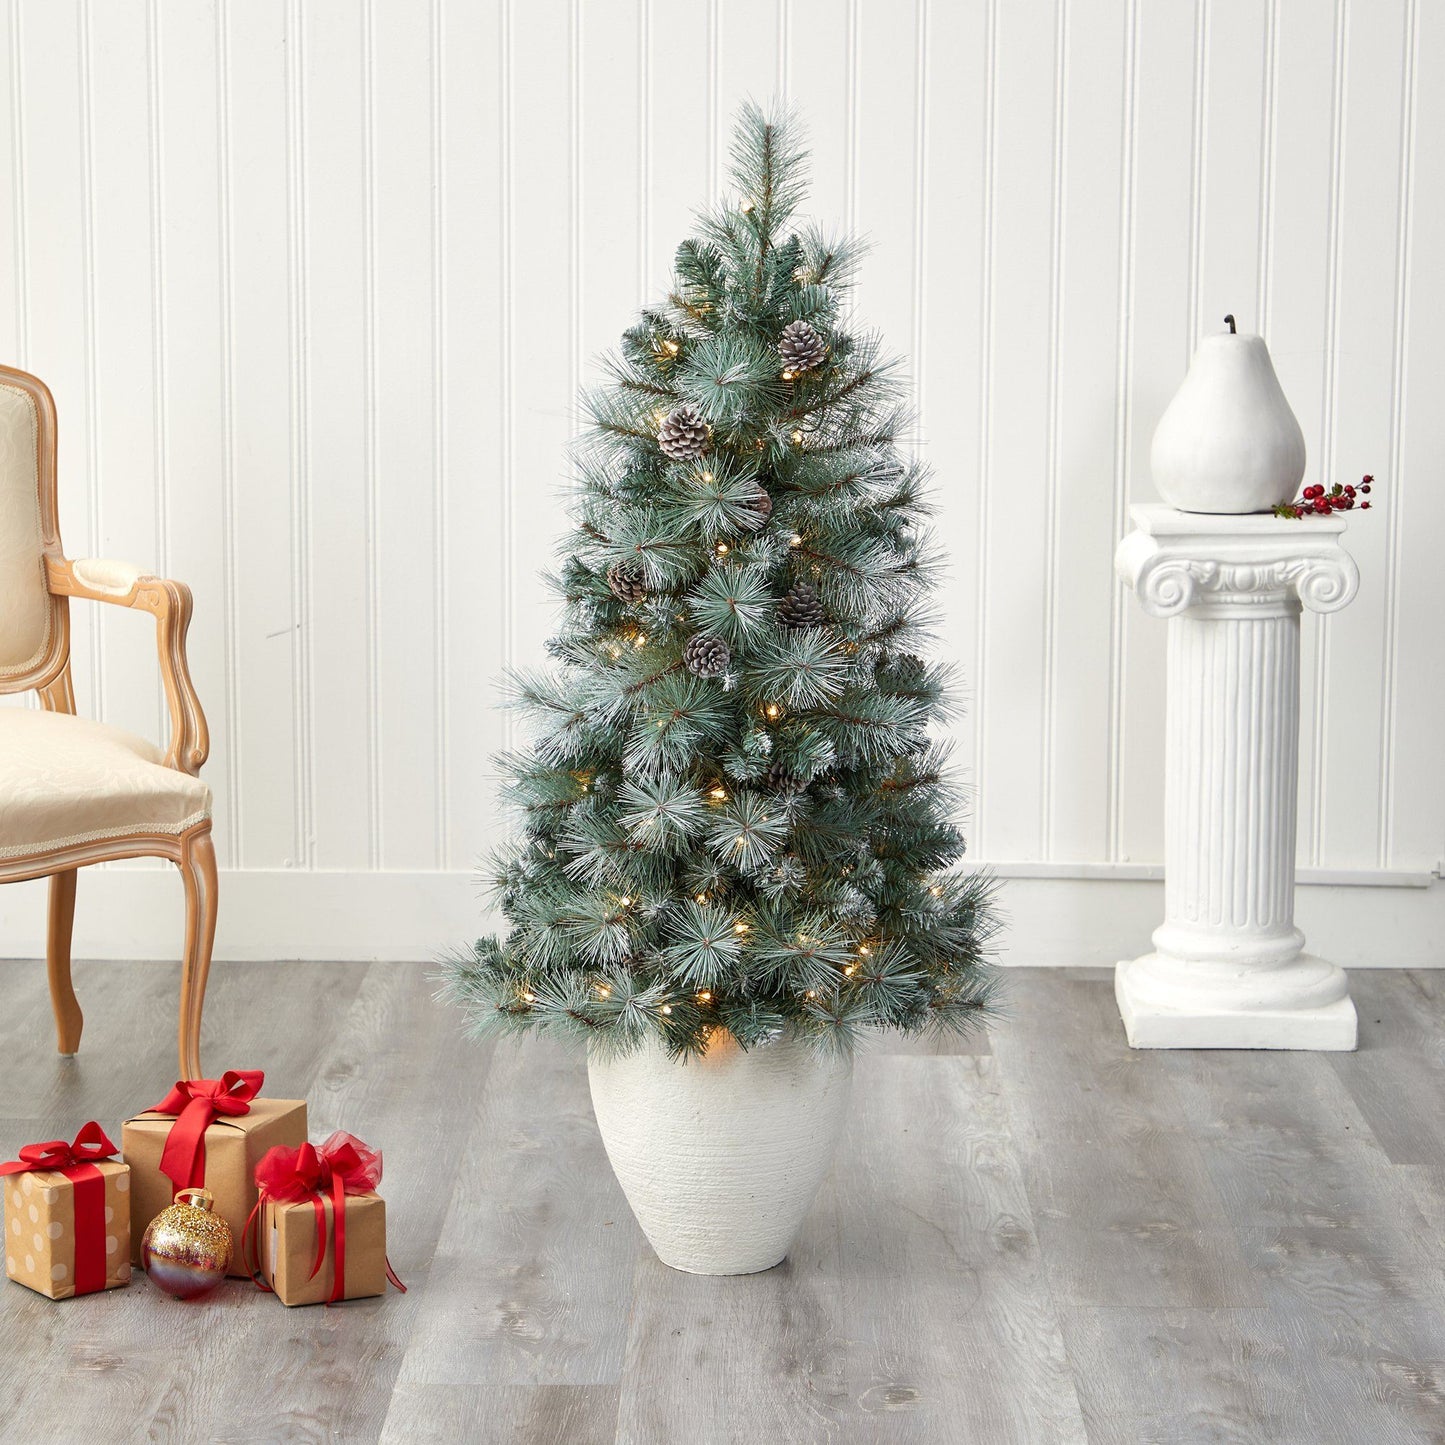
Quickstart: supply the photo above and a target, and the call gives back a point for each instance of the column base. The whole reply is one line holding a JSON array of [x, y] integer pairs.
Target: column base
[[1161, 1010]]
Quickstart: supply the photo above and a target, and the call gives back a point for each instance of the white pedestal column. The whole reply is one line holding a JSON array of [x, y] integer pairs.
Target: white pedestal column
[[1228, 970]]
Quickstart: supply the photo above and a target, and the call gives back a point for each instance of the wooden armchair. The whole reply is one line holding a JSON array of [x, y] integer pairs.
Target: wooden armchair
[[72, 791]]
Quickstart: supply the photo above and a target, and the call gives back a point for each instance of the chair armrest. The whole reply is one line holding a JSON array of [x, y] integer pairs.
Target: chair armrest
[[123, 585]]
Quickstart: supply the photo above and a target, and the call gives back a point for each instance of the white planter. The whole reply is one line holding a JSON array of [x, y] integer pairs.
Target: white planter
[[720, 1157], [1228, 442]]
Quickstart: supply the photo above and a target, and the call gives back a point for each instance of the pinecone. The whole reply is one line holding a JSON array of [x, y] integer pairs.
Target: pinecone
[[801, 607], [626, 582], [706, 656], [781, 780], [761, 505], [800, 347], [683, 434]]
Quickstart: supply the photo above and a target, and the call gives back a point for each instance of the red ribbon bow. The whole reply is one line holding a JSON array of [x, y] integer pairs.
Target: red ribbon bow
[[197, 1103], [342, 1165], [90, 1144], [76, 1161]]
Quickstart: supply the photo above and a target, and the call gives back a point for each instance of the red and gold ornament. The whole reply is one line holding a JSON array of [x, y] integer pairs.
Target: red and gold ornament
[[187, 1249]]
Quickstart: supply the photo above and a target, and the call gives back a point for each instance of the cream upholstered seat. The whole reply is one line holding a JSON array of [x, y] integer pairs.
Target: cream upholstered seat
[[66, 780], [74, 792]]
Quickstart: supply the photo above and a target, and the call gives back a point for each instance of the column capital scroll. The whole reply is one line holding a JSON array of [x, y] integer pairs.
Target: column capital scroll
[[1235, 565]]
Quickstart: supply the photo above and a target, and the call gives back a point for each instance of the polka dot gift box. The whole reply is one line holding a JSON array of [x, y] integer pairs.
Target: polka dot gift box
[[67, 1216]]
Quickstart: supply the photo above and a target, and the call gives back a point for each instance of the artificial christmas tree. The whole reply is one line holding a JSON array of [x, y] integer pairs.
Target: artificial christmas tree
[[736, 826]]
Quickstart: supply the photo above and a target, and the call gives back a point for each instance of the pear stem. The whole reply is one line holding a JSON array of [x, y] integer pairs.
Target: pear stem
[[1230, 320]]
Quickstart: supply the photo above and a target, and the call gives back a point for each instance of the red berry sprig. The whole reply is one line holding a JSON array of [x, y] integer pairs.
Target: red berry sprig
[[1317, 501]]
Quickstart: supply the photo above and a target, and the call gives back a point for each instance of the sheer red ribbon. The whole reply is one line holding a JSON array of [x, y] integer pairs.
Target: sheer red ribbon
[[197, 1103], [76, 1161], [342, 1165]]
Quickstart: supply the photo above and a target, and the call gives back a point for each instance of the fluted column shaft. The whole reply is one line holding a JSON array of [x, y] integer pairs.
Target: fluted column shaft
[[1231, 768]]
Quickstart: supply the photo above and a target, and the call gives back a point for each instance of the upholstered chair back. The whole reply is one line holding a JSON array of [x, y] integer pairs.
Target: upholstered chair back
[[32, 622]]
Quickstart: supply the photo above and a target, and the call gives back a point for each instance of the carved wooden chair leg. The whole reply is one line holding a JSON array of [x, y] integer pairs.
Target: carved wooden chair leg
[[198, 872], [68, 1019]]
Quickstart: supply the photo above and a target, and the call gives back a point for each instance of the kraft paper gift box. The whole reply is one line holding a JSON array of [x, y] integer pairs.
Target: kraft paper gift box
[[321, 1235], [289, 1245], [207, 1133], [67, 1216]]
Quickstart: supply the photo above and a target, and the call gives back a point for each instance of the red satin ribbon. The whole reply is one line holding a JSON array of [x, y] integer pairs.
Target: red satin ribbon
[[197, 1103], [342, 1165], [76, 1161]]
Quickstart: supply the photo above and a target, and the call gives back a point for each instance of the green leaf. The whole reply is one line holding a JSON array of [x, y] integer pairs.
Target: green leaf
[[601, 928], [680, 714], [806, 951], [661, 815], [712, 498], [732, 377], [733, 603], [797, 669], [705, 946], [745, 833]]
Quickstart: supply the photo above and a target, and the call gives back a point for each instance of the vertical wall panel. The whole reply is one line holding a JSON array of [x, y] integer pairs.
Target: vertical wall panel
[[401, 306], [12, 174], [614, 276], [264, 178], [56, 241], [1414, 782], [314, 283], [538, 362], [116, 73], [12, 255], [195, 467], [338, 263], [1347, 828], [1230, 161], [678, 139], [472, 292], [953, 368], [1160, 314], [822, 46], [747, 57], [1296, 314], [1010, 667], [1084, 381], [884, 182]]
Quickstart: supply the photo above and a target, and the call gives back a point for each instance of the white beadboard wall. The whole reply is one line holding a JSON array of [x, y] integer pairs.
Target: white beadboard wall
[[315, 282]]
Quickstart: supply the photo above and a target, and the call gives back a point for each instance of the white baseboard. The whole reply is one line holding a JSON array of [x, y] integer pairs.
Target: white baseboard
[[1097, 922], [128, 913], [136, 912]]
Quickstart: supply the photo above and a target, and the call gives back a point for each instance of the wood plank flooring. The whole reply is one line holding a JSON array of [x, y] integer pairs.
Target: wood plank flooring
[[1046, 1238]]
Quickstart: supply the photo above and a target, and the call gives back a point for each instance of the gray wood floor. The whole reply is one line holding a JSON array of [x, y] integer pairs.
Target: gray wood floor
[[1047, 1239]]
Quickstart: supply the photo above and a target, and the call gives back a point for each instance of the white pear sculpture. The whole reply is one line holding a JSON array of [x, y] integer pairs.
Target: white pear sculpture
[[1228, 442]]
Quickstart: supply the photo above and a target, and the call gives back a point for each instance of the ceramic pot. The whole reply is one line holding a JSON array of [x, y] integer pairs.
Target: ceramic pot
[[1228, 442], [720, 1157]]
